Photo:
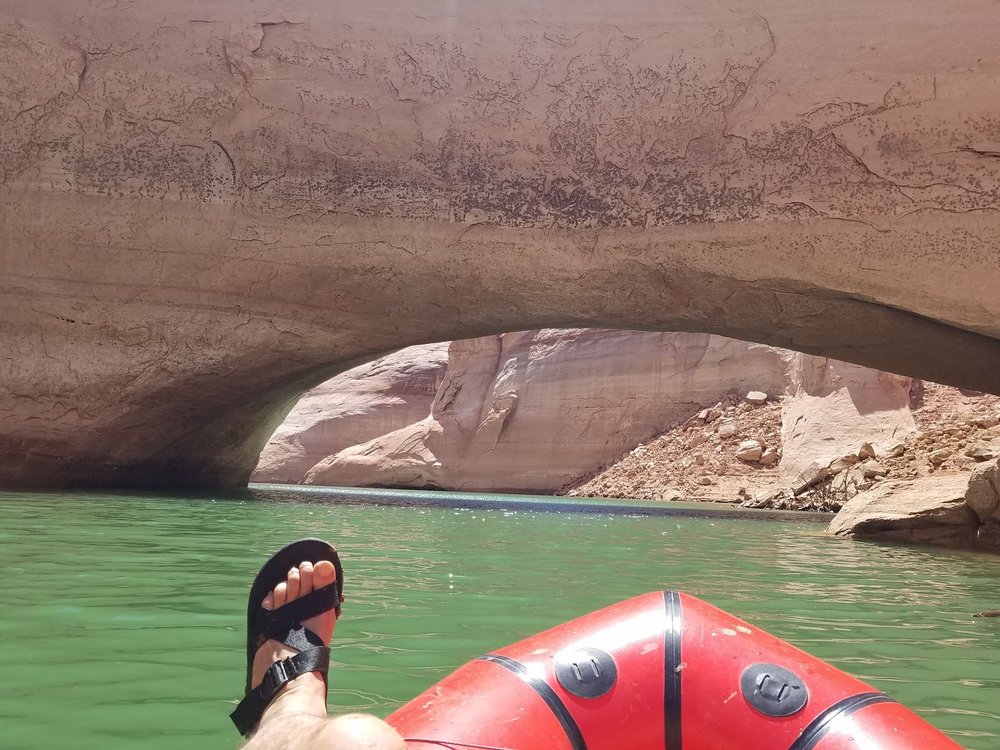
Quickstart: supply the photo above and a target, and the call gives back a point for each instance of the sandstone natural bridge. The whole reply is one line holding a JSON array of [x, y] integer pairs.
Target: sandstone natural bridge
[[208, 207]]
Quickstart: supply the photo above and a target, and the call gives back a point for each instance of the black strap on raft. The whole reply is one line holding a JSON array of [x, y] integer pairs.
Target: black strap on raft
[[672, 667], [831, 719], [547, 694]]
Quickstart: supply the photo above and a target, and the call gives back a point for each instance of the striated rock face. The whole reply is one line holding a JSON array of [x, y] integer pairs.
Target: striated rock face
[[532, 411], [537, 410], [209, 208], [949, 510], [363, 403], [836, 407]]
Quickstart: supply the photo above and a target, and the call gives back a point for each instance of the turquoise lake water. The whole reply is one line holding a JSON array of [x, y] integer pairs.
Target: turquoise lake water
[[123, 615]]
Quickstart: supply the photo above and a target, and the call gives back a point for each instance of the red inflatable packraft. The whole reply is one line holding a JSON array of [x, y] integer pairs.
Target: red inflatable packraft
[[666, 671]]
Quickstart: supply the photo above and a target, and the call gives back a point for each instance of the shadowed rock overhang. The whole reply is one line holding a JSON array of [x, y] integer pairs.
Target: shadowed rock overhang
[[208, 209]]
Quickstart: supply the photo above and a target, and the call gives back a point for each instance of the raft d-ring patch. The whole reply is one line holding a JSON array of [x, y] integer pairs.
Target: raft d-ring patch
[[586, 672], [773, 690]]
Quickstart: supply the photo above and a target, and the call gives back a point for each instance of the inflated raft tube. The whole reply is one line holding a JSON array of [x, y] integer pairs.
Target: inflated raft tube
[[666, 671]]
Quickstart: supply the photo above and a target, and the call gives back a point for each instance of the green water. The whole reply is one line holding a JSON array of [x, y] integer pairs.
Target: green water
[[122, 616]]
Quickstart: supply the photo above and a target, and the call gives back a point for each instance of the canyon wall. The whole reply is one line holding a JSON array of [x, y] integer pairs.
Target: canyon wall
[[536, 410], [352, 408]]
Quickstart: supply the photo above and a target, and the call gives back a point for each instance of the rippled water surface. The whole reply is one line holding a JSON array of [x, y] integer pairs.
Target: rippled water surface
[[122, 616]]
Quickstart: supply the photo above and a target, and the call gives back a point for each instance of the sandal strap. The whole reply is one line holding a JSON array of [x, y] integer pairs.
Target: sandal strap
[[300, 638], [249, 711], [273, 623]]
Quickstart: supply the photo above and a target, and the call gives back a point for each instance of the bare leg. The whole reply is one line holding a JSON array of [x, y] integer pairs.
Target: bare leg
[[356, 731], [289, 732], [347, 732], [296, 719]]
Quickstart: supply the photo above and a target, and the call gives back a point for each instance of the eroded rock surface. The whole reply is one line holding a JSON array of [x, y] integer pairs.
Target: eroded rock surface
[[537, 410], [835, 408], [352, 408], [208, 208], [532, 411]]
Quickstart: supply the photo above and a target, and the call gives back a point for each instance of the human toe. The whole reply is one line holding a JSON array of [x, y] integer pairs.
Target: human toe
[[292, 585], [280, 594], [305, 578], [323, 574]]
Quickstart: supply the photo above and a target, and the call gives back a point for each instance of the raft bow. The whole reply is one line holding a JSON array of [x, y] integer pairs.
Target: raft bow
[[664, 670]]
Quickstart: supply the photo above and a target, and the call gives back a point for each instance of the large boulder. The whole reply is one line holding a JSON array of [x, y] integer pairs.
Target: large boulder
[[535, 410], [983, 494], [945, 509], [836, 407]]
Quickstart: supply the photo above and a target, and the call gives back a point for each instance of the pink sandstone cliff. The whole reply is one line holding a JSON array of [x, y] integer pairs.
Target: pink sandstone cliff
[[536, 410], [356, 406]]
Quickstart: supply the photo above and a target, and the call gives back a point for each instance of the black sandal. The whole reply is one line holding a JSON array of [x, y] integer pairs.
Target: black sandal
[[285, 625]]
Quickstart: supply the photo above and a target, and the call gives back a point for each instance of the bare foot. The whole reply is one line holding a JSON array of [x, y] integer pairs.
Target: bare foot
[[305, 694]]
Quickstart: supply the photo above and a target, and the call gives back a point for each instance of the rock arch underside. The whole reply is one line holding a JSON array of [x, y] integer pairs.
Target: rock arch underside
[[209, 207]]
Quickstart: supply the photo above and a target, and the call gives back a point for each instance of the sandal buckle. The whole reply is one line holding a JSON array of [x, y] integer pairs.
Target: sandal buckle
[[274, 679]]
